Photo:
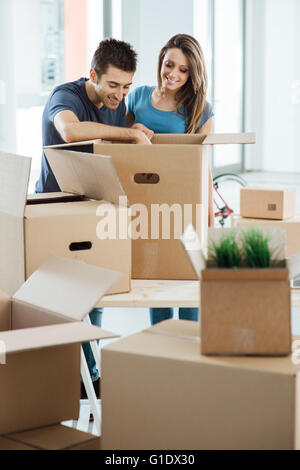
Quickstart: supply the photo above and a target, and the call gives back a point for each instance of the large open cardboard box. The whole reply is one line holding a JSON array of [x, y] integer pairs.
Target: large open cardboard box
[[42, 331], [58, 224], [194, 401], [166, 178]]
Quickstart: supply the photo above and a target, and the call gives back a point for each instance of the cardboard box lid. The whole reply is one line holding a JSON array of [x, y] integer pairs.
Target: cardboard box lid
[[66, 288], [14, 178], [30, 339], [203, 139], [91, 175]]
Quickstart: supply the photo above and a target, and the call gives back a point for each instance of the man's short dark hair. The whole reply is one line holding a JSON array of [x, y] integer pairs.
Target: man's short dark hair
[[120, 54]]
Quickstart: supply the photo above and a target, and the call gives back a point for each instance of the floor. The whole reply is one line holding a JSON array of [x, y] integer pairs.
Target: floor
[[128, 321]]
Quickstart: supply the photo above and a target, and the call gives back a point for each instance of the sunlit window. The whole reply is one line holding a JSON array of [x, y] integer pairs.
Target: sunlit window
[[228, 77]]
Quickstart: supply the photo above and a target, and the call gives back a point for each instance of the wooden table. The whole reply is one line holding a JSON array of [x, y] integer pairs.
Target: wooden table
[[155, 293]]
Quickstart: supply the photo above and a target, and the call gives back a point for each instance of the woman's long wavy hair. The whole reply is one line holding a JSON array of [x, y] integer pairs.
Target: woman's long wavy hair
[[192, 96]]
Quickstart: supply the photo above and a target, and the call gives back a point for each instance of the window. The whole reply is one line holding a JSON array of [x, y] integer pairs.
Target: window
[[228, 80]]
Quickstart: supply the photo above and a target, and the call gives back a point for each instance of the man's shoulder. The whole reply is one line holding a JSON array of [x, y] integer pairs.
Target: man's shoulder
[[71, 87]]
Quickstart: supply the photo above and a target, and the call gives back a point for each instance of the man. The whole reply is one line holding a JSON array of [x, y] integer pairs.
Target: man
[[89, 109]]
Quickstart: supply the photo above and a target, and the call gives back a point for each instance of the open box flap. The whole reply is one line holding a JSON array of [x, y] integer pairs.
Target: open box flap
[[55, 335], [192, 245], [275, 235], [93, 176], [66, 287], [220, 139], [14, 178], [203, 139], [293, 263]]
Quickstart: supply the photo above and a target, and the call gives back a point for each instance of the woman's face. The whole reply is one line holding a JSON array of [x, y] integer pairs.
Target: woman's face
[[174, 70]]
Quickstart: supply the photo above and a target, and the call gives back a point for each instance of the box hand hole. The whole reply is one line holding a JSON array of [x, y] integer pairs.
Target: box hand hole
[[146, 178], [80, 246]]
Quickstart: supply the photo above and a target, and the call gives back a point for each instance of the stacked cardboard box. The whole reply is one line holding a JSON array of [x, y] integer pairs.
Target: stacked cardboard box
[[60, 224], [263, 207], [290, 226]]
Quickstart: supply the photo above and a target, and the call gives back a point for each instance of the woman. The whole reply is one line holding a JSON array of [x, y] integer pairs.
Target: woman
[[177, 105]]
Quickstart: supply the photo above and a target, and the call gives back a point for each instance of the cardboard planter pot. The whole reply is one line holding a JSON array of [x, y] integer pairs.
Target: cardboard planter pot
[[170, 180], [245, 311]]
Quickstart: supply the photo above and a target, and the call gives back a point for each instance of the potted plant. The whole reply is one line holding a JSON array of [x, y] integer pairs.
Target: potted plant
[[245, 293]]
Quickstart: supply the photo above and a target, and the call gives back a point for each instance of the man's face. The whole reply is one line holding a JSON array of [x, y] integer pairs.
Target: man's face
[[111, 87]]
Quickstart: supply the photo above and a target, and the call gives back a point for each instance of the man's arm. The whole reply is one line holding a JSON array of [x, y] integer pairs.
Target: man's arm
[[72, 130]]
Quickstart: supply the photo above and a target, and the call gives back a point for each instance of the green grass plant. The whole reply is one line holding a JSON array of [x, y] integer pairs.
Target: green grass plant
[[226, 253], [256, 248]]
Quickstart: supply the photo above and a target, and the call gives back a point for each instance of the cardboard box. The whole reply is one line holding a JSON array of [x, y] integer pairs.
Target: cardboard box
[[290, 226], [57, 437], [171, 173], [40, 376], [263, 203], [60, 224], [246, 311], [194, 401]]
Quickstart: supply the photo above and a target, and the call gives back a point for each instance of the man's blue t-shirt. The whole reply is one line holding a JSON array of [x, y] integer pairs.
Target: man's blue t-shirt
[[71, 96], [161, 122]]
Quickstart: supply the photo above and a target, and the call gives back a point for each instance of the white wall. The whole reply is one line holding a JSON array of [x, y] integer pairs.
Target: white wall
[[273, 66], [148, 25], [7, 78]]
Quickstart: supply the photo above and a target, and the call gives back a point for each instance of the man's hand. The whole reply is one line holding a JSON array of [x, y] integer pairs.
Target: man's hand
[[148, 132], [139, 137]]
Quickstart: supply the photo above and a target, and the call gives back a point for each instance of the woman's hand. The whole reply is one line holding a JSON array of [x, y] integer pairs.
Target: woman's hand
[[148, 132]]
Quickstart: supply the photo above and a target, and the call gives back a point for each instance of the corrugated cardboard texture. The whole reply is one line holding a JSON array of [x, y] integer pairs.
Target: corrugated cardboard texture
[[193, 401], [183, 179], [5, 312], [245, 317], [14, 177], [290, 226], [57, 437], [268, 203], [50, 229], [8, 444], [39, 389]]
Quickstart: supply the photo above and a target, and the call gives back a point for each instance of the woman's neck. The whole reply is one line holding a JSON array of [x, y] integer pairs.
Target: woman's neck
[[164, 100]]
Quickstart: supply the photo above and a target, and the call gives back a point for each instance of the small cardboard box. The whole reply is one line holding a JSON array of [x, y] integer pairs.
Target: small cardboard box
[[57, 437], [61, 224], [168, 179], [263, 203], [41, 339], [290, 226], [246, 311], [195, 401]]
